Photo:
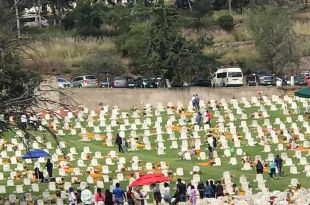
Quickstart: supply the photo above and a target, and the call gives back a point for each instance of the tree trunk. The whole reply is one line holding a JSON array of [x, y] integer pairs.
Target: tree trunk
[[59, 9]]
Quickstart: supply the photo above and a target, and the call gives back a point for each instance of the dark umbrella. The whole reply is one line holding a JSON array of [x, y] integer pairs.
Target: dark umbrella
[[303, 93], [149, 179], [34, 154]]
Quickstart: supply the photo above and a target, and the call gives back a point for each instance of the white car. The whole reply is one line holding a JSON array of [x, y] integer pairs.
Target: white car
[[32, 20]]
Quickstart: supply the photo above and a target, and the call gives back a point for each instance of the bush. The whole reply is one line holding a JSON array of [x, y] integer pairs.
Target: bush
[[226, 22]]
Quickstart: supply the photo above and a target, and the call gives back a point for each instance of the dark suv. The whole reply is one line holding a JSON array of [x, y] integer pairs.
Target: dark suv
[[146, 82]]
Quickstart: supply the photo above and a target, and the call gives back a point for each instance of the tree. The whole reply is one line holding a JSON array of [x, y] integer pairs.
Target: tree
[[239, 5], [272, 28], [19, 87], [88, 16], [202, 8]]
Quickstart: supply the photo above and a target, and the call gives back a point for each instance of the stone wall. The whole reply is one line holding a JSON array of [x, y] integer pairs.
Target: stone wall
[[127, 98]]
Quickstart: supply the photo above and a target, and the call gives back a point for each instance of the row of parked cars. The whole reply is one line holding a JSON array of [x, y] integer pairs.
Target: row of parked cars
[[222, 78], [262, 78], [90, 81]]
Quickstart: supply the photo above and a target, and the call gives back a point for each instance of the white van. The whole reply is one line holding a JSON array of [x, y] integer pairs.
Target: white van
[[33, 21], [227, 77]]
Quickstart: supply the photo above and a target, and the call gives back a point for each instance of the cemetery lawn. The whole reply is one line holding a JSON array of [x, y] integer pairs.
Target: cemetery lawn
[[172, 159]]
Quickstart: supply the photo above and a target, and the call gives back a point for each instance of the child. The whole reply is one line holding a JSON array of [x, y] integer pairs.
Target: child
[[272, 169], [126, 145]]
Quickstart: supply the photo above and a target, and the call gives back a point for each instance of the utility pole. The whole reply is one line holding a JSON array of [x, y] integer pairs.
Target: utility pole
[[229, 4], [17, 19]]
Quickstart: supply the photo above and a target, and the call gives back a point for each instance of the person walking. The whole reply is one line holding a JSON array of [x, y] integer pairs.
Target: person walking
[[201, 189], [71, 197], [119, 195], [219, 190], [126, 145], [210, 151], [194, 102], [278, 160], [192, 195], [209, 193], [197, 99], [198, 118], [119, 142], [130, 196], [86, 196], [272, 169], [214, 142], [208, 116], [213, 187], [181, 187], [49, 168], [156, 194], [99, 197], [108, 197], [139, 197], [259, 167], [166, 193]]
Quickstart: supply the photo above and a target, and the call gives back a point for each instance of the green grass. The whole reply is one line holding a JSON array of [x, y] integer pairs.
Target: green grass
[[174, 161]]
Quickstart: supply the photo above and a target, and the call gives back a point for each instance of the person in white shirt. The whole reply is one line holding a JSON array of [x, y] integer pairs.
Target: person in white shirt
[[166, 193]]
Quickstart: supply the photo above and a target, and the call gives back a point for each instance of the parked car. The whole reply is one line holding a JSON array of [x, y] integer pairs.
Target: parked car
[[280, 82], [120, 82], [105, 84], [299, 80], [261, 78], [63, 83], [145, 82], [131, 82], [85, 81], [266, 79], [202, 83], [33, 20], [227, 77], [252, 80]]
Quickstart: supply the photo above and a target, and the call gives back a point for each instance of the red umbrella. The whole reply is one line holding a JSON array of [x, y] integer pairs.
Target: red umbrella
[[149, 179]]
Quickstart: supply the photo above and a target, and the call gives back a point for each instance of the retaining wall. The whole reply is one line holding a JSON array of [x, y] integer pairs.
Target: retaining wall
[[127, 98]]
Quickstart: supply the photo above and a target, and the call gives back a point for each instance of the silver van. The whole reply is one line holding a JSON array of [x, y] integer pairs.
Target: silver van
[[85, 81]]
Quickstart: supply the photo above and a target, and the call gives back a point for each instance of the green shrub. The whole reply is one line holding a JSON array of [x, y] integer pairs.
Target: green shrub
[[226, 22]]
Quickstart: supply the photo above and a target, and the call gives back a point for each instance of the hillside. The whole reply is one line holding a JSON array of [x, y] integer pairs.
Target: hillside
[[120, 45]]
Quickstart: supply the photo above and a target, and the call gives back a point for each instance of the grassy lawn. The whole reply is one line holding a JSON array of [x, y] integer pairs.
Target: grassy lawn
[[171, 157]]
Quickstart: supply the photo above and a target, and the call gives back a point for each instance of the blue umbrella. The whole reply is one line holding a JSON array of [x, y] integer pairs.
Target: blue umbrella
[[36, 153]]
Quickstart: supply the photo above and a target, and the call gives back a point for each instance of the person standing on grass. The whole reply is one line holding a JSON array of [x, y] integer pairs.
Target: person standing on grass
[[119, 142], [156, 194], [126, 145], [166, 193], [99, 197], [108, 197], [71, 197], [130, 197], [208, 117], [194, 102], [272, 169], [197, 99], [181, 187], [259, 167], [213, 187], [278, 162], [214, 142], [219, 190], [201, 188], [198, 118], [210, 151], [209, 193], [49, 168], [119, 195], [192, 195]]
